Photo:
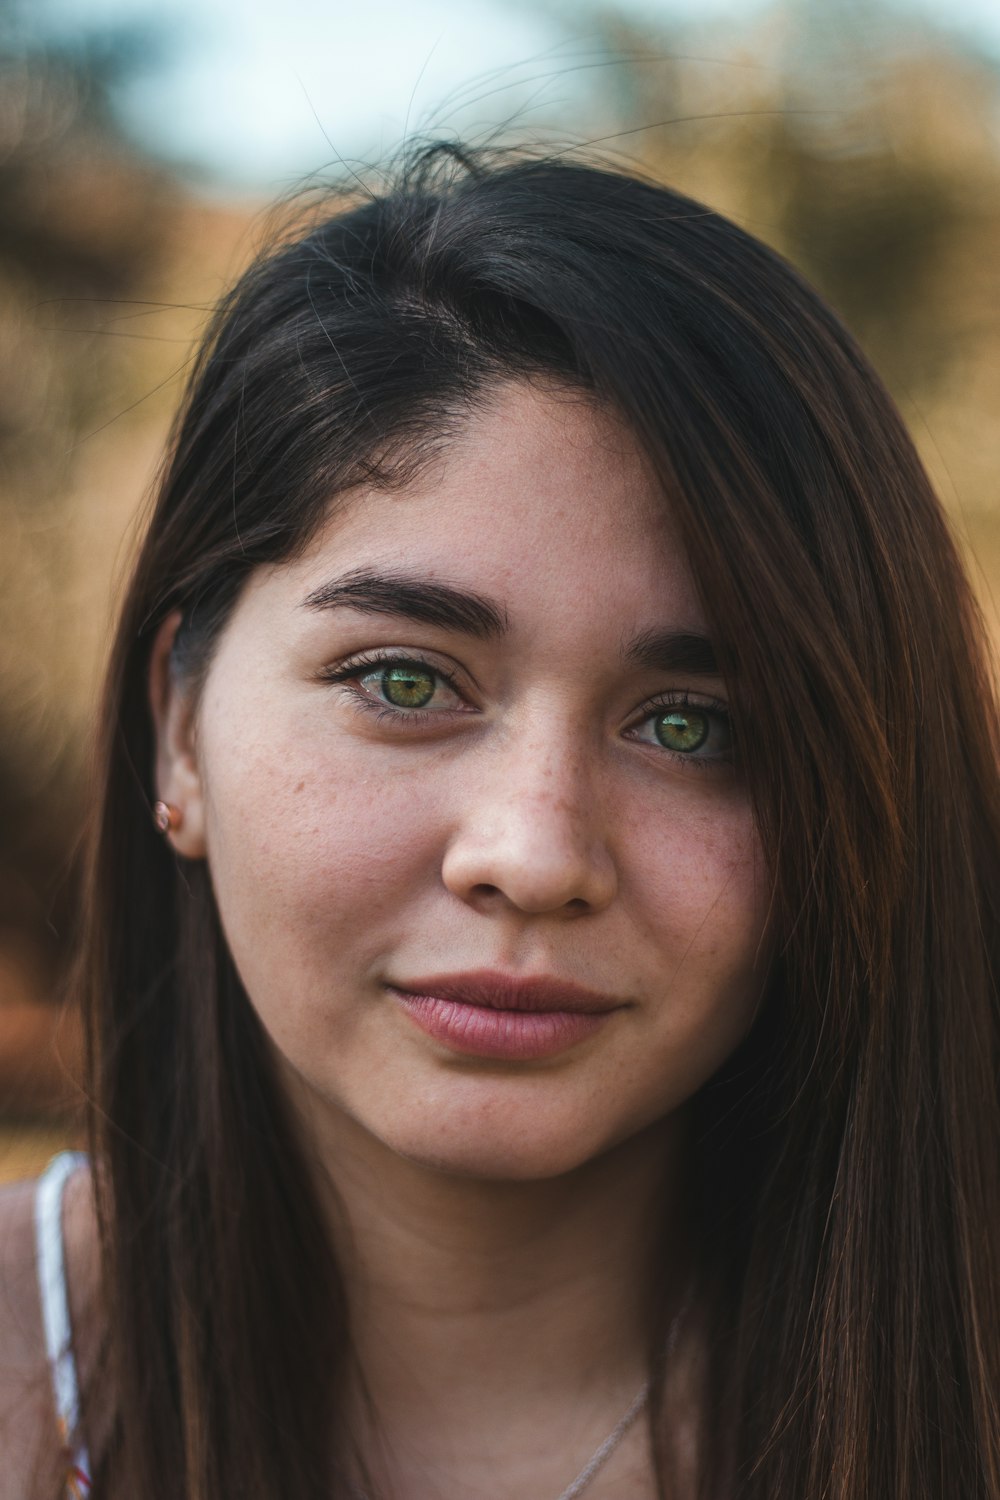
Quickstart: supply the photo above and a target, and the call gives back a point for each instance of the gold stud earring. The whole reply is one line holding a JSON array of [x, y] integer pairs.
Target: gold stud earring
[[167, 817]]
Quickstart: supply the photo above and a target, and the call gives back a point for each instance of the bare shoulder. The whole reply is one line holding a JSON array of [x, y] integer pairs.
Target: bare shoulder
[[27, 1417], [21, 1343], [29, 1439]]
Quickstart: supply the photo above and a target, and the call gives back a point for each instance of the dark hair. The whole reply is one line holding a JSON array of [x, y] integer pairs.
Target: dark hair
[[849, 1155]]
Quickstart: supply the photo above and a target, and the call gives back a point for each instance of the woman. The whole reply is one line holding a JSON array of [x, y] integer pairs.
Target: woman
[[542, 948]]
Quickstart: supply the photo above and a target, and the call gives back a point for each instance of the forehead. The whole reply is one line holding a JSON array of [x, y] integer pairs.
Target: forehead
[[543, 498]]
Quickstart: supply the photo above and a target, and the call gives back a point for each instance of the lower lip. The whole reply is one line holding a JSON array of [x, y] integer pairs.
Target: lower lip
[[512, 1035]]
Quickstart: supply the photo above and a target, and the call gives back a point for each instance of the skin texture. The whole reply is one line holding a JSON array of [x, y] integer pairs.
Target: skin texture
[[499, 1223], [520, 830]]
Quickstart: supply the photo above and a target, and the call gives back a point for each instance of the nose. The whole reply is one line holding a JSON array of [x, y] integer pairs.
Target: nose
[[531, 836]]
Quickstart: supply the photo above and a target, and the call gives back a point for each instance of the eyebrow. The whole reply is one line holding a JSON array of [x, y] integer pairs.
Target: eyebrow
[[404, 596], [683, 651], [410, 598]]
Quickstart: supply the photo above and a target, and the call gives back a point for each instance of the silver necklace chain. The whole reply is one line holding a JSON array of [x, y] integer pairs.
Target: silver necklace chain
[[598, 1459], [608, 1447]]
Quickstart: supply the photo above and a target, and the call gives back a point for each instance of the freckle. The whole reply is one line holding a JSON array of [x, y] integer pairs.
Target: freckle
[[300, 786]]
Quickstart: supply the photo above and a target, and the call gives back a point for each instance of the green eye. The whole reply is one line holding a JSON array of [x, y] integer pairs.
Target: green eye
[[407, 685], [682, 729]]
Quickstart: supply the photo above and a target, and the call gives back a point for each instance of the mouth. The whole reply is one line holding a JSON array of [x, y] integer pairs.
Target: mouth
[[492, 1015]]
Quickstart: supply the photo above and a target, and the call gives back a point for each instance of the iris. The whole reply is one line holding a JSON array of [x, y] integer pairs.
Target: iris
[[682, 729], [408, 685]]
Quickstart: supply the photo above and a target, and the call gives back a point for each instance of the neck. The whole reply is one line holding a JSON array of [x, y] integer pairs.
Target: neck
[[479, 1305]]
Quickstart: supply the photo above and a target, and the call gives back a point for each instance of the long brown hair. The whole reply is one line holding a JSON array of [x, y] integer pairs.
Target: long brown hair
[[849, 1154]]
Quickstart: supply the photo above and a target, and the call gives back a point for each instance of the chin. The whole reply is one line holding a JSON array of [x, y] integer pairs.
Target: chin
[[499, 1161], [498, 1150]]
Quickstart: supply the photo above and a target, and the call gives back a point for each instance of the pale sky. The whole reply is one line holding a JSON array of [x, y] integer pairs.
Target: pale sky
[[258, 92]]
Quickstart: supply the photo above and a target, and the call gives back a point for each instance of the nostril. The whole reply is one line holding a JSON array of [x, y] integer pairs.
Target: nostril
[[533, 875], [491, 894]]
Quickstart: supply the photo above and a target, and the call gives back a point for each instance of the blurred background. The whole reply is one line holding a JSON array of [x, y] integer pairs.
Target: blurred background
[[140, 142]]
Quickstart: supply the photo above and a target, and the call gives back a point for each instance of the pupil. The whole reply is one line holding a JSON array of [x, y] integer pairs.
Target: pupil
[[682, 729], [407, 687]]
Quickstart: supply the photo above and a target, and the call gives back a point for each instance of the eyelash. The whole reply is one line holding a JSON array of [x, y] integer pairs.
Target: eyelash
[[347, 675], [362, 665], [705, 705]]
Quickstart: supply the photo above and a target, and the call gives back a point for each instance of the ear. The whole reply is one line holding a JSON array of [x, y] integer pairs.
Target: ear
[[178, 780]]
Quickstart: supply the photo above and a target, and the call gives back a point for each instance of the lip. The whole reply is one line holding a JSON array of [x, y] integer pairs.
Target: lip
[[489, 1014]]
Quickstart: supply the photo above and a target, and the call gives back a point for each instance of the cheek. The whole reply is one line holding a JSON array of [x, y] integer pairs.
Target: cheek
[[704, 889], [701, 896], [311, 844]]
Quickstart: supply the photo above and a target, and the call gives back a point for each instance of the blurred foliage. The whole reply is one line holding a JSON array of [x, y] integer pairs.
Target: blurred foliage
[[859, 143], [865, 146], [862, 145], [81, 223]]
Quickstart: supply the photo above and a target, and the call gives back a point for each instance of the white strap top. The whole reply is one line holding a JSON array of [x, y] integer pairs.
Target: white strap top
[[55, 1316]]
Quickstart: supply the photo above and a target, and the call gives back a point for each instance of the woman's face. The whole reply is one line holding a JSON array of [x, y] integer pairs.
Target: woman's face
[[463, 777]]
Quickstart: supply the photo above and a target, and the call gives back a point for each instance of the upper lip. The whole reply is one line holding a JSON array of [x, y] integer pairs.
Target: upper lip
[[496, 991]]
